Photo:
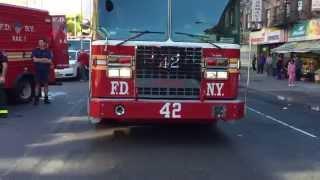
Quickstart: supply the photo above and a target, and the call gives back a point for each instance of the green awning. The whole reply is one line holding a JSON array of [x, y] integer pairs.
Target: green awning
[[298, 47]]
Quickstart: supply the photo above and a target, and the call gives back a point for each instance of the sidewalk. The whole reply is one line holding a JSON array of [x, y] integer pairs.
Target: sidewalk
[[305, 93]]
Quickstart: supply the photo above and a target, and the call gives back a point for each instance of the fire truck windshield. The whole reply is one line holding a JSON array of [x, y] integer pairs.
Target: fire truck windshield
[[127, 16], [217, 20], [207, 21]]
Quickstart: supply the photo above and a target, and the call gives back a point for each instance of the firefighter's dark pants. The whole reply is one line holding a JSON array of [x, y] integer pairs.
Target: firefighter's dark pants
[[3, 102]]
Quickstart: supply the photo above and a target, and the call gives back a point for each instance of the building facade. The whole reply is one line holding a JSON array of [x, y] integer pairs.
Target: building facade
[[286, 27], [70, 7]]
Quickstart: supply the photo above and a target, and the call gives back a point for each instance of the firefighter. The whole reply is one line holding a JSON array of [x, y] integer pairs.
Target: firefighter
[[3, 71], [42, 59], [83, 60]]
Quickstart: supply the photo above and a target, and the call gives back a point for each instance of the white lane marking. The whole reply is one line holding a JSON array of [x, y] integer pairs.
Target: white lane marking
[[52, 95], [281, 122]]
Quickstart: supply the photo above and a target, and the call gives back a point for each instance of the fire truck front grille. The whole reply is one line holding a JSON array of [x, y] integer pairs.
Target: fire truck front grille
[[169, 92], [168, 72]]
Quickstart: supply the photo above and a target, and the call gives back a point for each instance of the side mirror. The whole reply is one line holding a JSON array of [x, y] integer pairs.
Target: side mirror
[[109, 5]]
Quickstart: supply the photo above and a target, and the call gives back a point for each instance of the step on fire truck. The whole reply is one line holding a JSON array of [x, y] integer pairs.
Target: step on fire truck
[[20, 30], [168, 61]]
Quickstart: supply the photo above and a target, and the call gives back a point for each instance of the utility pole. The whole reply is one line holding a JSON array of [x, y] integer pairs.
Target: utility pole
[[75, 25], [81, 19]]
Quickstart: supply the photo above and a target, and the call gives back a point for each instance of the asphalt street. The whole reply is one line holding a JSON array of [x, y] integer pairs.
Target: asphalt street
[[275, 141]]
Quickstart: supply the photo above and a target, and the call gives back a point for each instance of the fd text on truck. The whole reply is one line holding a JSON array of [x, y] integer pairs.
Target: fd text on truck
[[174, 61], [20, 30]]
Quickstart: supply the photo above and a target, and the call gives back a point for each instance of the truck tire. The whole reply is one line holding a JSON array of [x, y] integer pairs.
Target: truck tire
[[24, 90], [210, 127]]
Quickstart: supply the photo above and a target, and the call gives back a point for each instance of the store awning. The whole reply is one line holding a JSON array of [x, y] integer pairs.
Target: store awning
[[298, 47]]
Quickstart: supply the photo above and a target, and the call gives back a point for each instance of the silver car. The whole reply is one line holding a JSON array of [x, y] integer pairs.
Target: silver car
[[70, 71]]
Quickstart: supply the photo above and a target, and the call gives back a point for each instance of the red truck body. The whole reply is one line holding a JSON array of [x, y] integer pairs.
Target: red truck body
[[117, 99], [20, 30]]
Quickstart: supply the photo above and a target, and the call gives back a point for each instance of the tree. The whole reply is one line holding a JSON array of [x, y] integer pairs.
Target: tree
[[74, 24]]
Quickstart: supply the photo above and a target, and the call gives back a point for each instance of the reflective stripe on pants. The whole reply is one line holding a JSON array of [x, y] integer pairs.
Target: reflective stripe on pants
[[3, 102]]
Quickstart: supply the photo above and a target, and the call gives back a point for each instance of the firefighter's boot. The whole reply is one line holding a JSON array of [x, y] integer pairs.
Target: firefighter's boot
[[36, 100], [46, 100]]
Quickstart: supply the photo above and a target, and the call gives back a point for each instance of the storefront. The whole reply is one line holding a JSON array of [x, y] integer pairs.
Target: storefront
[[304, 40], [267, 39]]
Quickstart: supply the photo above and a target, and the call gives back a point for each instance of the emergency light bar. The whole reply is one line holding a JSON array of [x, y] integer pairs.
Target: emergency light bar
[[213, 62], [117, 60]]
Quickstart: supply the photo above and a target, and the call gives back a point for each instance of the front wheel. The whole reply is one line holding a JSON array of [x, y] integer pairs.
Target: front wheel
[[24, 90]]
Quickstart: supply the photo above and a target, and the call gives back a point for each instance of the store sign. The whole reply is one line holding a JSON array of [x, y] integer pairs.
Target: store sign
[[299, 30], [275, 36], [267, 36], [256, 10], [306, 30], [257, 37], [315, 6]]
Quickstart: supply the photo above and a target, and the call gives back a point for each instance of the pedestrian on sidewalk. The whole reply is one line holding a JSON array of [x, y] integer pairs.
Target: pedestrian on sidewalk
[[274, 64], [291, 72], [280, 68], [3, 72], [42, 59], [261, 63], [269, 65], [254, 63], [298, 67], [83, 60]]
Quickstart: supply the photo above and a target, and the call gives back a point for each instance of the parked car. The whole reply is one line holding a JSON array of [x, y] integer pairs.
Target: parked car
[[70, 71], [75, 45]]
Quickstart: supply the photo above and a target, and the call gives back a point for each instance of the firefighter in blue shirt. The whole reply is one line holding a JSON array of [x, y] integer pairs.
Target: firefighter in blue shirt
[[3, 71], [42, 60]]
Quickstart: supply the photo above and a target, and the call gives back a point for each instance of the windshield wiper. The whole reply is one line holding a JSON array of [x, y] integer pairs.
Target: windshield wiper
[[137, 35], [103, 32], [199, 36]]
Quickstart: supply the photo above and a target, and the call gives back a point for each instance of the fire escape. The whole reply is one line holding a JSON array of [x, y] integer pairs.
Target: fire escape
[[290, 12]]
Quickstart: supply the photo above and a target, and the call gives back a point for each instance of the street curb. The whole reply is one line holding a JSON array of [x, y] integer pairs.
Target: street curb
[[288, 99]]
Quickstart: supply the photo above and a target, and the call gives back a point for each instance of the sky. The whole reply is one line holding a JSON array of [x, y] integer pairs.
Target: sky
[[56, 7]]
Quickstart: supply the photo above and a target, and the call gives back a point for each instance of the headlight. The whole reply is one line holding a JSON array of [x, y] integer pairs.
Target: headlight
[[234, 63], [125, 72], [120, 72], [211, 75], [113, 73], [101, 62], [219, 75], [222, 75]]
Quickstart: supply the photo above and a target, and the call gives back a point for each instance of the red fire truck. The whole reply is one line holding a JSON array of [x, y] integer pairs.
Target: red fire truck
[[20, 30], [171, 61]]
